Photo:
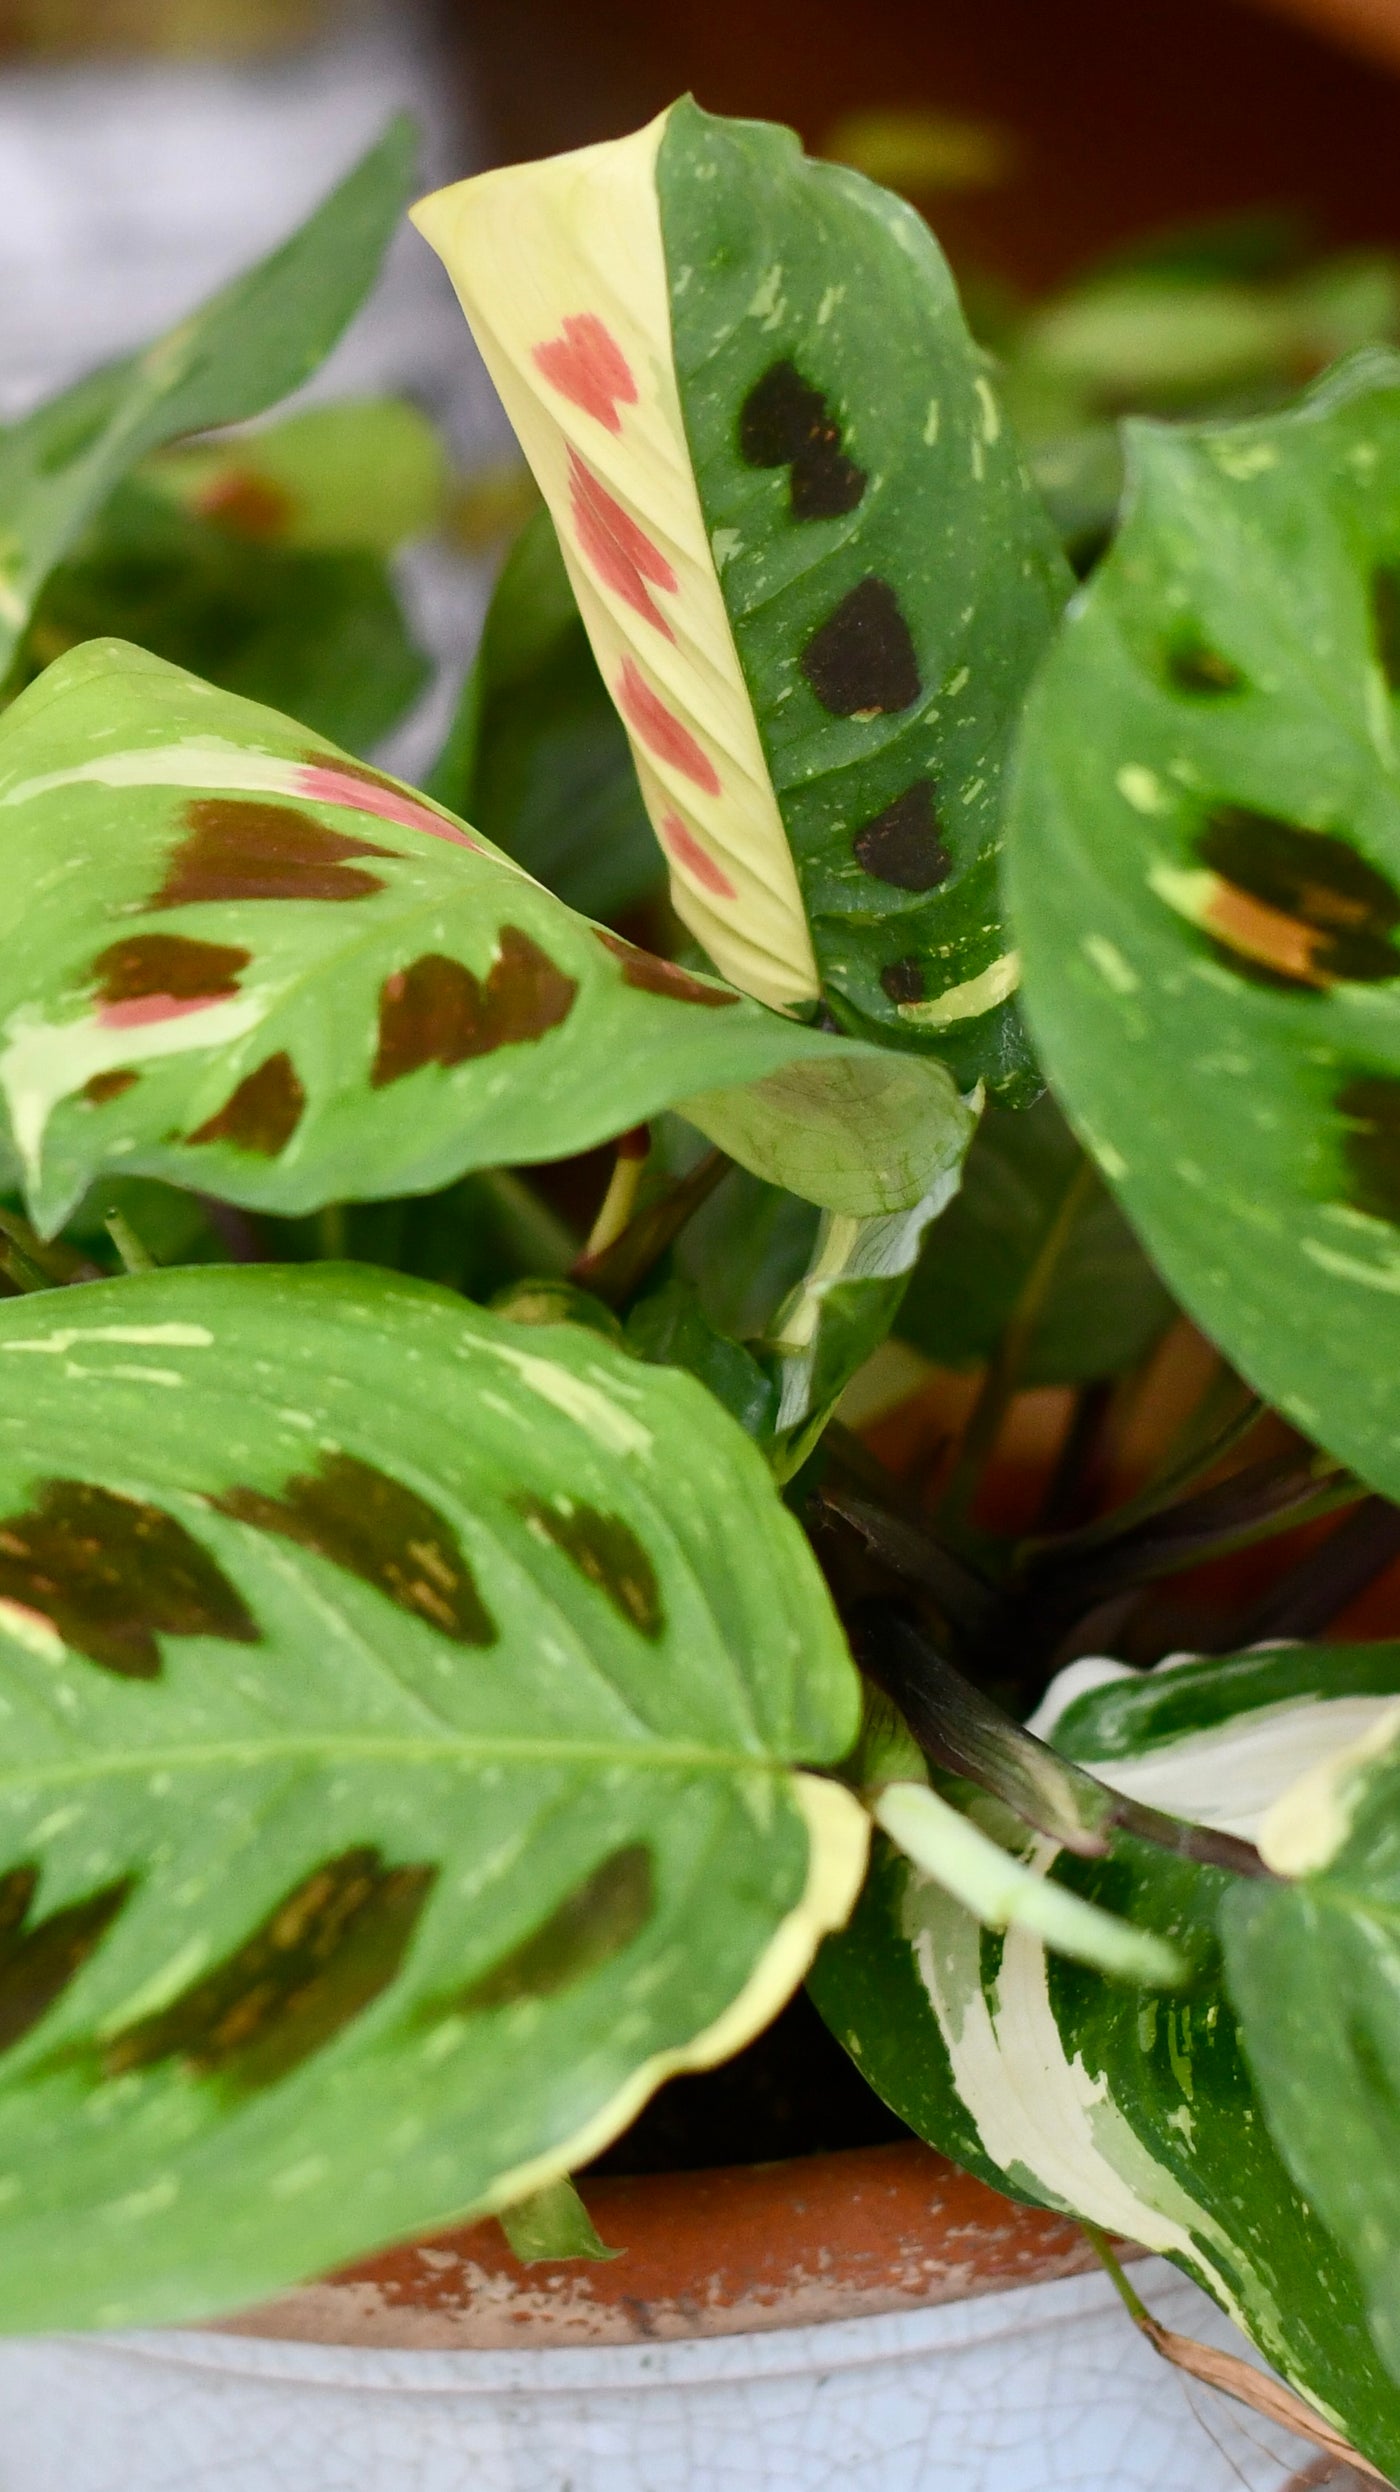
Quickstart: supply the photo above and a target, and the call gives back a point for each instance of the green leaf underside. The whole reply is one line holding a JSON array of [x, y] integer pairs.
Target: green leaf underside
[[1315, 1970], [237, 354], [400, 1714], [888, 575], [1104, 1306], [1205, 873], [244, 963], [1140, 2112]]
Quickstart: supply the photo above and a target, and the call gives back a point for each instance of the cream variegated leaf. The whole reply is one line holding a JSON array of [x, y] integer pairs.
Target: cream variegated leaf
[[814, 574], [1170, 2119], [593, 396]]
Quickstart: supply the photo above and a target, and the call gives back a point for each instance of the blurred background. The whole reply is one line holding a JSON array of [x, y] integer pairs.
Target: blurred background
[[1176, 205]]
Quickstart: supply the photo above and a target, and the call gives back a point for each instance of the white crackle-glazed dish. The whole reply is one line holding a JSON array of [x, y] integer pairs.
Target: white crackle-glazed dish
[[872, 2320]]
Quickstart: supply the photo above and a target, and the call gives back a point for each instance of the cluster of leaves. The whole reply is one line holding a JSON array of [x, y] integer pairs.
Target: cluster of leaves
[[426, 1628]]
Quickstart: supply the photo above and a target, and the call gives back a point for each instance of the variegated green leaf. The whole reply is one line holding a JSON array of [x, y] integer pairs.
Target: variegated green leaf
[[403, 1714], [1139, 2112], [241, 961], [1314, 1968], [252, 344], [813, 572], [1205, 871]]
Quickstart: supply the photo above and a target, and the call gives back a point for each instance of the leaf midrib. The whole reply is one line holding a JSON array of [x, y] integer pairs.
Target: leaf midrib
[[655, 1756]]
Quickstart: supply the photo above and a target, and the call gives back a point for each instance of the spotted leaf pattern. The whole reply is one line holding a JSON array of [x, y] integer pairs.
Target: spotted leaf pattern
[[405, 1715], [1205, 879], [242, 961], [1189, 2120], [814, 574]]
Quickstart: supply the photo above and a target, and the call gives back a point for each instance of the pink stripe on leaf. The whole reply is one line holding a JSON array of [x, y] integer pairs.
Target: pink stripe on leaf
[[328, 786], [588, 367], [140, 1012], [621, 553], [661, 731], [683, 845]]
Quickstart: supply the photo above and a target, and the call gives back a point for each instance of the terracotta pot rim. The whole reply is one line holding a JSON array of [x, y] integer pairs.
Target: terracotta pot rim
[[751, 2247]]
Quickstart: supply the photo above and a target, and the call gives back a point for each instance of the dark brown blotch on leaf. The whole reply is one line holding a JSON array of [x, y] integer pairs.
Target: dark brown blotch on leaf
[[38, 1960], [324, 1954], [904, 981], [361, 1519], [162, 964], [1369, 1104], [608, 1554], [901, 846], [784, 422], [439, 1012], [236, 849], [1194, 666], [1385, 616], [585, 1932], [655, 976], [112, 1574], [263, 1113], [107, 1086], [1298, 908], [861, 661]]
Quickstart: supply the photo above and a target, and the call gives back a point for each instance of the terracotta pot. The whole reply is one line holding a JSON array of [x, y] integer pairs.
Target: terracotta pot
[[874, 2320], [773, 2245]]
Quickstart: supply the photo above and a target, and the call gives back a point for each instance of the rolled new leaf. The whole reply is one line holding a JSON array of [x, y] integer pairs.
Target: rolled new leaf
[[405, 1715], [1242, 2130], [815, 576], [244, 962]]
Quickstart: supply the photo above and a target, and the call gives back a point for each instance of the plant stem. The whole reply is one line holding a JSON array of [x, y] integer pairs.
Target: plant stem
[[1307, 1598], [135, 1256], [332, 1233], [616, 1272], [31, 1262], [1003, 1374], [903, 1544], [620, 1202], [1108, 1528], [960, 1729], [1078, 1464], [1229, 2373], [1254, 1504]]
